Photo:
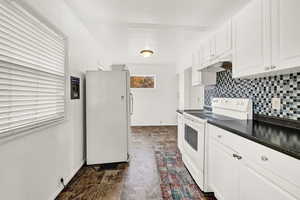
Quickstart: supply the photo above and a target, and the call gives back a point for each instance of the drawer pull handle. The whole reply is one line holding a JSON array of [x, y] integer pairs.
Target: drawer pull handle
[[219, 136], [237, 156], [264, 158]]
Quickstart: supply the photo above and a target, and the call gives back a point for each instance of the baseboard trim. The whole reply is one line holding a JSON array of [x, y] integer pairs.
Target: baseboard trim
[[67, 180]]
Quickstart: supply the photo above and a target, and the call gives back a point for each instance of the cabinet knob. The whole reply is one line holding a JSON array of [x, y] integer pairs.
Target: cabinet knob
[[237, 156], [264, 158], [273, 67], [267, 68], [219, 136]]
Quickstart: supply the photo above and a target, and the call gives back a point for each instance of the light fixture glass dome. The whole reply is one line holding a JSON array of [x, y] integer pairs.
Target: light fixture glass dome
[[146, 53]]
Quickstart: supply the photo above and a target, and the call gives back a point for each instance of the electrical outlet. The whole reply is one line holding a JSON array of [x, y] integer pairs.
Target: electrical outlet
[[276, 103], [61, 182]]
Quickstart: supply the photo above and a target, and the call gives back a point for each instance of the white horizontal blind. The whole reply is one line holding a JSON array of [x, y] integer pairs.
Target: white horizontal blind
[[32, 71]]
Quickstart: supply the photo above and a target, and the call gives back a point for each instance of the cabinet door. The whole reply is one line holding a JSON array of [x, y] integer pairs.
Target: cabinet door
[[195, 76], [223, 39], [180, 131], [208, 50], [195, 67], [251, 43], [181, 91], [222, 171], [286, 33], [254, 185]]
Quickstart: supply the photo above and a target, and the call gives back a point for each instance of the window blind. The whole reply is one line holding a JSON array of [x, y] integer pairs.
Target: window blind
[[32, 71]]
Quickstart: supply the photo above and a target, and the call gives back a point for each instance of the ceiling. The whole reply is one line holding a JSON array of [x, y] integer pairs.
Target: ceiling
[[125, 27]]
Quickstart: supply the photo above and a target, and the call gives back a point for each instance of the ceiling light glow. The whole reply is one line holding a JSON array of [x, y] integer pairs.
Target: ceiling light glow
[[146, 53]]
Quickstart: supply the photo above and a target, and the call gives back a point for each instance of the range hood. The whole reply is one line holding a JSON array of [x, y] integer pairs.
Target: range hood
[[217, 65]]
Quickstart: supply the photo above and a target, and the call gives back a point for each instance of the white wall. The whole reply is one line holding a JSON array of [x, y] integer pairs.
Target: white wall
[[155, 106], [31, 165]]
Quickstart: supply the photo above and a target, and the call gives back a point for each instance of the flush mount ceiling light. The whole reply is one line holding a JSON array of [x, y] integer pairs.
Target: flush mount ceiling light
[[146, 53]]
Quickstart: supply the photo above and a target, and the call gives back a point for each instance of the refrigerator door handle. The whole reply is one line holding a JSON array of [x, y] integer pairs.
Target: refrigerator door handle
[[131, 104]]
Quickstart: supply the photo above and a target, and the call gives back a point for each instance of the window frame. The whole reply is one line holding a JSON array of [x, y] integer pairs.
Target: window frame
[[144, 75]]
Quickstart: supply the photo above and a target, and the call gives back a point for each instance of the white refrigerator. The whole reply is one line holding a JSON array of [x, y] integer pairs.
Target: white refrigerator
[[109, 105]]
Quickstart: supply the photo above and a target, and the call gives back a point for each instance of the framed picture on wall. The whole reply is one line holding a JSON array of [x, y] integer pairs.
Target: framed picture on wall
[[75, 87], [143, 81]]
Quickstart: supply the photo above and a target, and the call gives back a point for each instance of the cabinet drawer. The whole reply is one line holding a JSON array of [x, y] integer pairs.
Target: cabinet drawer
[[274, 163], [222, 136]]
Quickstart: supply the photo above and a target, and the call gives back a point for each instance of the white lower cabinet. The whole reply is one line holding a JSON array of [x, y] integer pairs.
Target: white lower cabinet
[[235, 173], [255, 185], [285, 34], [180, 131], [222, 171]]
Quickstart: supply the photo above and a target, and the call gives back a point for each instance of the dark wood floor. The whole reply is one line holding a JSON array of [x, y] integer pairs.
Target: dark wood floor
[[138, 180]]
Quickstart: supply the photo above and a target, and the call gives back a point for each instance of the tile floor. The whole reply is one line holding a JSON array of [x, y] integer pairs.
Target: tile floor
[[139, 180]]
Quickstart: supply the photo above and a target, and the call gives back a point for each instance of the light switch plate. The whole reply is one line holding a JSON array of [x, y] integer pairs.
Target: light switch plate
[[276, 102]]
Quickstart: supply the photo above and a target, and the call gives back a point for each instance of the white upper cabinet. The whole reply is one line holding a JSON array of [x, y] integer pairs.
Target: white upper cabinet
[[196, 64], [263, 39], [195, 76], [285, 34], [266, 38], [223, 40], [208, 50], [201, 77], [196, 58], [217, 45], [251, 45]]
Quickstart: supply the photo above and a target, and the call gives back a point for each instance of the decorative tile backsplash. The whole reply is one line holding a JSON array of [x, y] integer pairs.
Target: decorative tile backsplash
[[261, 90]]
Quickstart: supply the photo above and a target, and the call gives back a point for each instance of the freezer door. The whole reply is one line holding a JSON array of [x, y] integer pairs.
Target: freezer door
[[107, 117]]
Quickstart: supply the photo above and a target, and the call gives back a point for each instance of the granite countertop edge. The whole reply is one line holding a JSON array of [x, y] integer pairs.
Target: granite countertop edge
[[254, 139]]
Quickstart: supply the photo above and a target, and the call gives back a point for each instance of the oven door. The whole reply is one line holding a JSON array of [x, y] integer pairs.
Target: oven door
[[191, 137], [193, 156]]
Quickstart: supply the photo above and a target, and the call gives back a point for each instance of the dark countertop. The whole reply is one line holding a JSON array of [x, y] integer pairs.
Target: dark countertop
[[180, 111], [283, 139], [187, 110]]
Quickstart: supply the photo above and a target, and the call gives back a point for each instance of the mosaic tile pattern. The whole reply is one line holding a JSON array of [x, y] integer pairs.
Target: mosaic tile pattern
[[261, 90]]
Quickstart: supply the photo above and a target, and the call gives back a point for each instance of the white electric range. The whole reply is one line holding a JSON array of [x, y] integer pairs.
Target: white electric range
[[195, 143]]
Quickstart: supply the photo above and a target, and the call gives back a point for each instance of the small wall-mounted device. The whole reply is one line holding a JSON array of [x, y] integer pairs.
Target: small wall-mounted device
[[75, 87]]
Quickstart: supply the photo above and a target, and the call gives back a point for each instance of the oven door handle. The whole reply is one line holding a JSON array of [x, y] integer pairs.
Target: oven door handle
[[193, 124]]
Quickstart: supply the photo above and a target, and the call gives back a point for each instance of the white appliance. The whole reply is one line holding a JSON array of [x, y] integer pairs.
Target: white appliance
[[195, 141], [109, 105]]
